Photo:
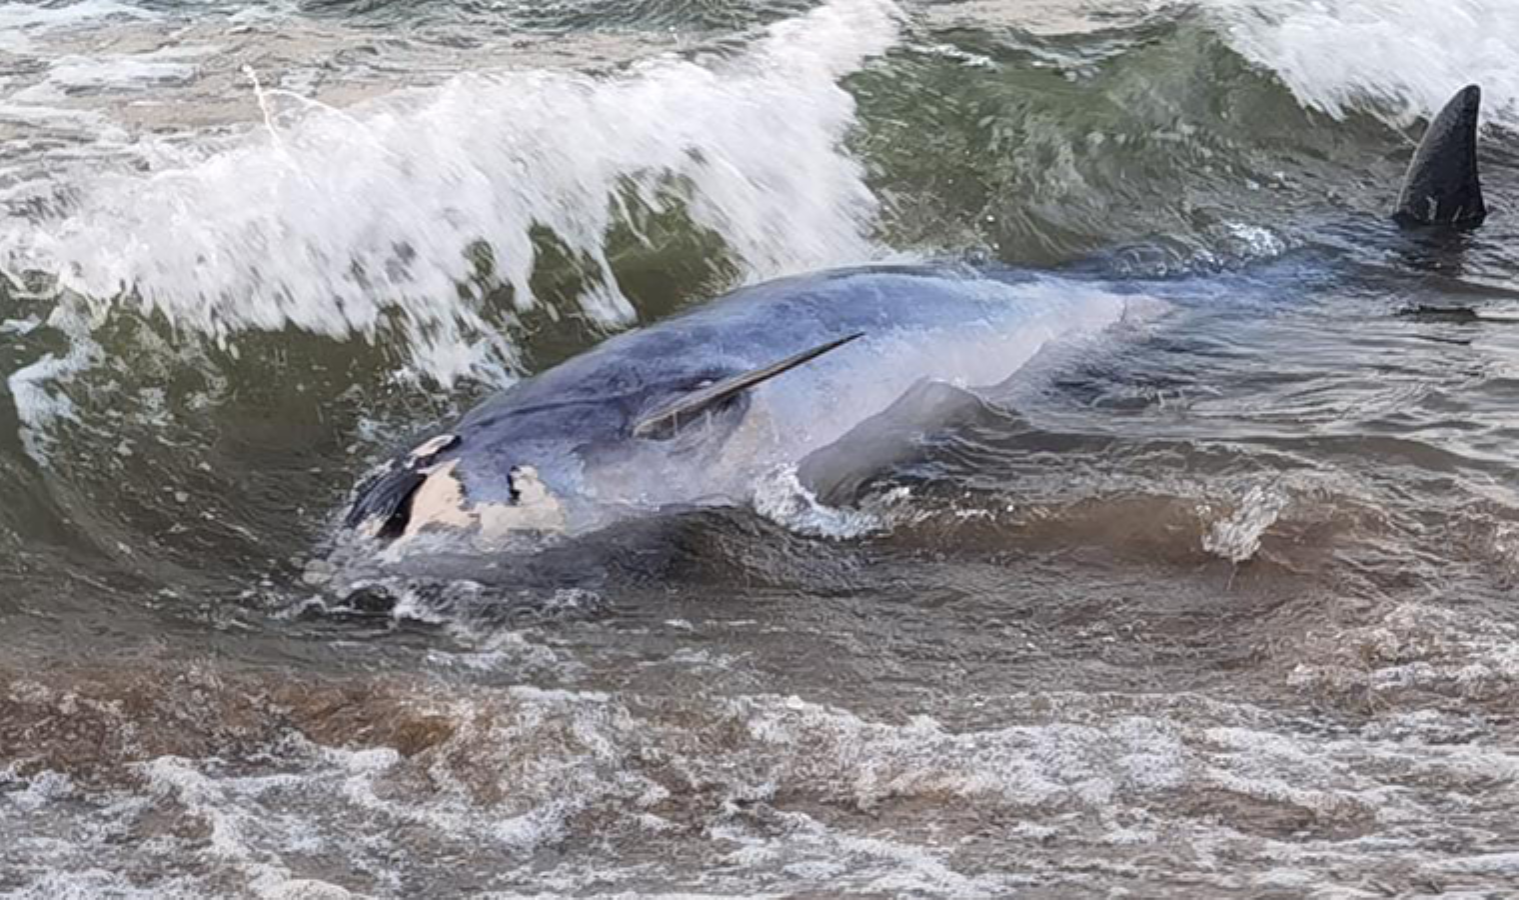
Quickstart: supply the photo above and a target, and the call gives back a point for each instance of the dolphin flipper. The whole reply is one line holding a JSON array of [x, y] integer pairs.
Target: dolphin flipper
[[671, 417], [1441, 187]]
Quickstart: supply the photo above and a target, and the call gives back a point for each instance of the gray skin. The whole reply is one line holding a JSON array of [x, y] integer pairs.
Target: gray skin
[[1442, 187], [580, 415], [570, 432]]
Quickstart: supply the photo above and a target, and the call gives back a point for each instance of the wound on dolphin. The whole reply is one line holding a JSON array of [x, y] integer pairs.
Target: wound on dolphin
[[1442, 187]]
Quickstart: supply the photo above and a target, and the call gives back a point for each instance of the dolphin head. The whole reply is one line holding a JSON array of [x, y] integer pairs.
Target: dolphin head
[[454, 482], [518, 464]]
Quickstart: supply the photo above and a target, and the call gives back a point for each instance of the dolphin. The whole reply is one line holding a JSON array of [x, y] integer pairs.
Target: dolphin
[[769, 378]]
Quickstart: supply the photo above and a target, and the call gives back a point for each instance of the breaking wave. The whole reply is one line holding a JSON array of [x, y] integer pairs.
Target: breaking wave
[[1401, 59], [416, 205]]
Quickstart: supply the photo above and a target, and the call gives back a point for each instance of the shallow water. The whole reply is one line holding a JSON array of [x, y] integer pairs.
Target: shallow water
[[1215, 604]]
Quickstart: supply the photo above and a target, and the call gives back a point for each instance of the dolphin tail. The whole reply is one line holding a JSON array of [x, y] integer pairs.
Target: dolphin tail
[[1441, 187]]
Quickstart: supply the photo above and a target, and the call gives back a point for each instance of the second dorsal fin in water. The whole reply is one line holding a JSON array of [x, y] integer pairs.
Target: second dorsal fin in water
[[670, 417], [1442, 187]]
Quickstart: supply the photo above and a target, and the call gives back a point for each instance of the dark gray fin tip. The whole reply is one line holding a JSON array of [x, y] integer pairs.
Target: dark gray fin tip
[[669, 418], [1442, 186]]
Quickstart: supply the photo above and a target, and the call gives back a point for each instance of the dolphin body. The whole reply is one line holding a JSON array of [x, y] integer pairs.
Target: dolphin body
[[695, 408], [615, 429]]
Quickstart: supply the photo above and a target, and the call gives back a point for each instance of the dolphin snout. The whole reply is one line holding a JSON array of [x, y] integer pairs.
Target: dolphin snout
[[427, 491]]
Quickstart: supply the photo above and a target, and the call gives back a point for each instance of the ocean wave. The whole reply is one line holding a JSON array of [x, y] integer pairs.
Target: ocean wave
[[762, 793], [412, 206], [1401, 59]]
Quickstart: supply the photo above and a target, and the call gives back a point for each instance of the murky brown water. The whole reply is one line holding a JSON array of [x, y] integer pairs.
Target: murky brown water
[[1219, 605]]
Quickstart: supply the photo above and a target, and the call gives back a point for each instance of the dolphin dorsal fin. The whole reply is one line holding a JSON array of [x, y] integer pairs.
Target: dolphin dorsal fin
[[1441, 187], [670, 417]]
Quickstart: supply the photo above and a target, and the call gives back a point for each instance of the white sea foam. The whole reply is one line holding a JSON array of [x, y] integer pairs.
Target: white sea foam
[[1399, 58], [780, 497], [1237, 537], [775, 792], [22, 23], [170, 65], [35, 389], [332, 221], [1420, 648]]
